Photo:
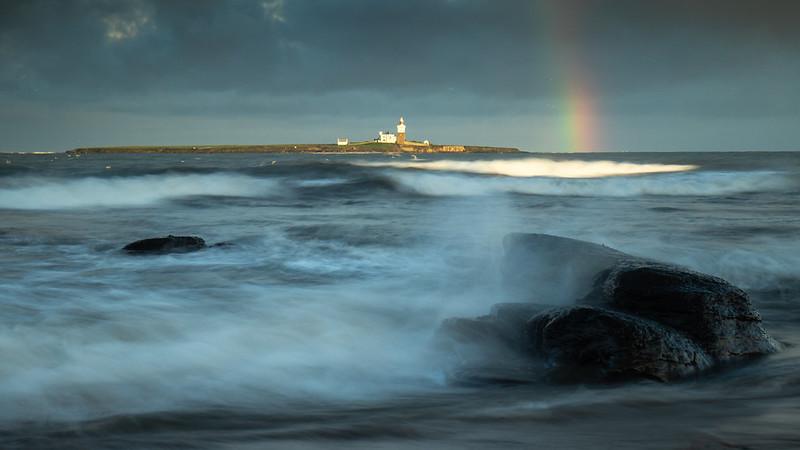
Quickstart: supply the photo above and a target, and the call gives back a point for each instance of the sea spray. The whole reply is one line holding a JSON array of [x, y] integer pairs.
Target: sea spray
[[61, 193], [316, 323]]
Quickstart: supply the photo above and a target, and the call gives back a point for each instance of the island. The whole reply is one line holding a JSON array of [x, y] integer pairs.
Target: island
[[384, 143], [296, 148]]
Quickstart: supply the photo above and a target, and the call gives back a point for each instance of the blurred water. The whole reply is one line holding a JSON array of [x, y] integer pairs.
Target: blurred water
[[314, 327]]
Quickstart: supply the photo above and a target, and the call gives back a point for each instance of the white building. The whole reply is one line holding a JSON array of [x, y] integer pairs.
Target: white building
[[387, 138], [342, 141]]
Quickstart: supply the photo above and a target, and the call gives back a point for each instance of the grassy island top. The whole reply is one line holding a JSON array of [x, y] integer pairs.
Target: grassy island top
[[369, 147]]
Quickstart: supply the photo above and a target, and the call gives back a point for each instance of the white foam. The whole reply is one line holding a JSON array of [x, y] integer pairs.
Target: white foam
[[323, 182], [538, 167], [130, 350], [38, 193], [695, 183]]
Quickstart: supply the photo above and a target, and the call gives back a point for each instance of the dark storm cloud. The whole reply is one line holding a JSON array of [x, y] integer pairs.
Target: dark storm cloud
[[465, 57], [275, 46], [490, 47], [98, 46]]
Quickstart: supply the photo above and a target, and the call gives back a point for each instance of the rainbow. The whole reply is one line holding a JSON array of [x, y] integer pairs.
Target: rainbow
[[578, 114], [580, 118]]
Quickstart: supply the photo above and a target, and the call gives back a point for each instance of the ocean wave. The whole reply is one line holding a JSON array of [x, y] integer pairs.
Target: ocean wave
[[237, 326], [681, 184], [538, 167], [57, 193]]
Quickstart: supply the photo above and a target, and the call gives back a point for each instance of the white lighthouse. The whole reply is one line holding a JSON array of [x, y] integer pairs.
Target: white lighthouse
[[401, 131]]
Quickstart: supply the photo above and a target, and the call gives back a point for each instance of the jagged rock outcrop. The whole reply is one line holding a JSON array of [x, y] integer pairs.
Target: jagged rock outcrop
[[169, 244], [621, 317]]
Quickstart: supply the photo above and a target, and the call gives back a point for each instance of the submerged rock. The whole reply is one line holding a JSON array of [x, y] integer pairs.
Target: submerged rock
[[621, 317], [503, 326], [491, 348], [169, 244]]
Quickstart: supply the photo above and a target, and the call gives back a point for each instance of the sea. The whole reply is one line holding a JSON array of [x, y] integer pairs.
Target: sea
[[313, 327]]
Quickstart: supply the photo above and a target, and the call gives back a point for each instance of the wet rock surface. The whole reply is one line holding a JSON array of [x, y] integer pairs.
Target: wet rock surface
[[585, 343], [714, 313], [169, 244], [627, 317]]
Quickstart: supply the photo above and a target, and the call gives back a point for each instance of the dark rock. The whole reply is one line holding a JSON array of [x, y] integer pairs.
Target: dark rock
[[491, 348], [585, 343], [635, 318], [714, 313], [513, 316], [504, 326], [169, 244]]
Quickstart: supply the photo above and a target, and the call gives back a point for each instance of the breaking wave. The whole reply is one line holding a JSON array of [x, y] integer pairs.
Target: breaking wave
[[46, 193], [692, 184], [49, 193], [538, 167]]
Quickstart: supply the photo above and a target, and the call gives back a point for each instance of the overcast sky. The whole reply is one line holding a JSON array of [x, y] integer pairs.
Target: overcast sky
[[543, 76]]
